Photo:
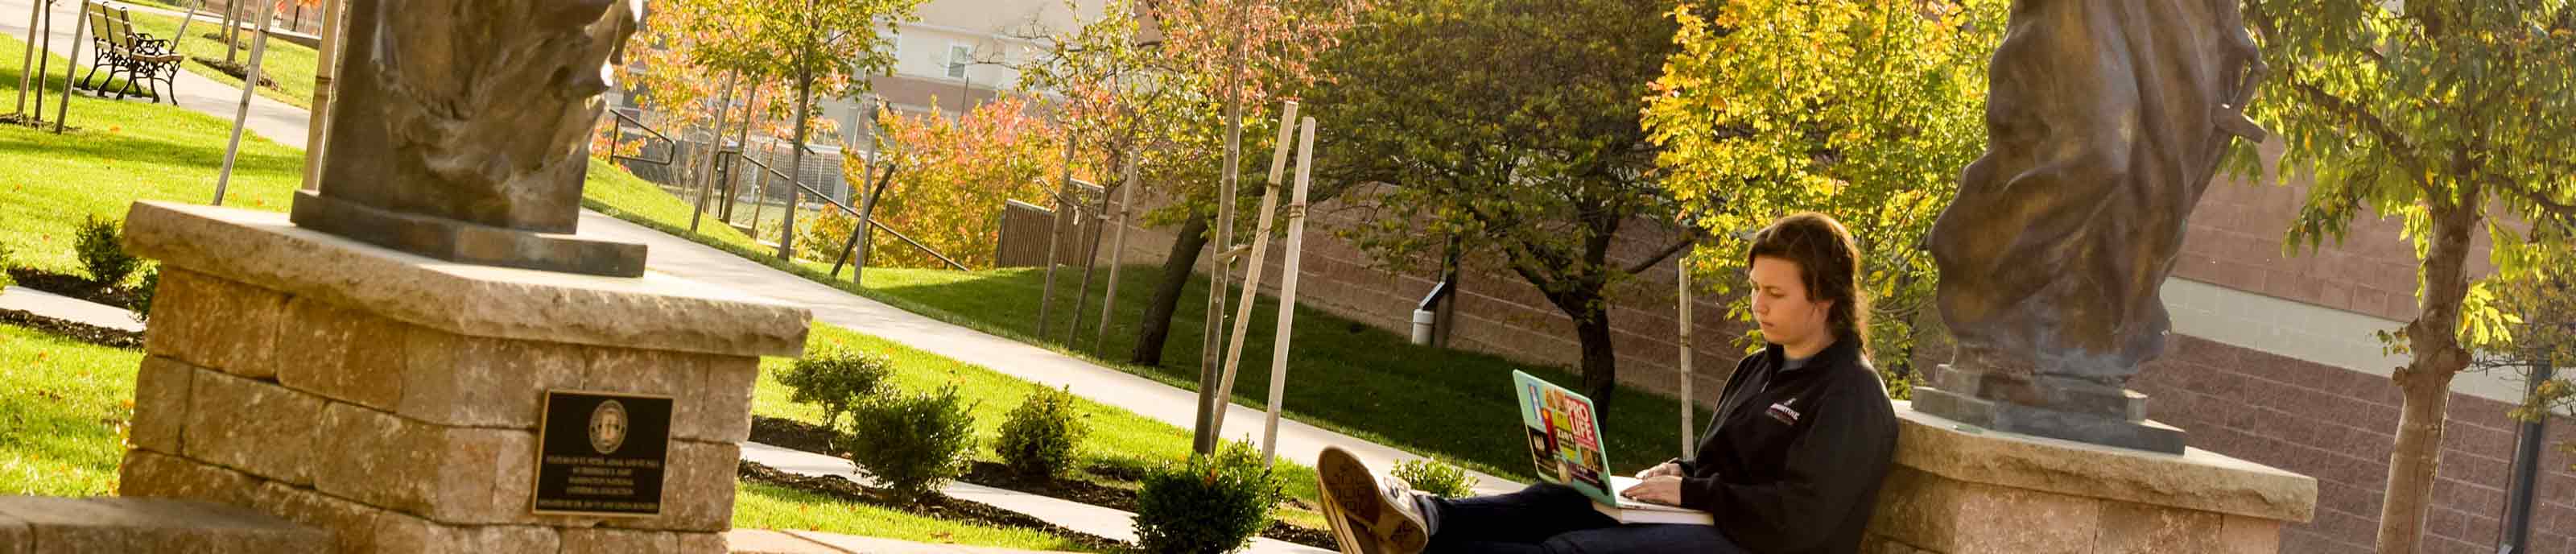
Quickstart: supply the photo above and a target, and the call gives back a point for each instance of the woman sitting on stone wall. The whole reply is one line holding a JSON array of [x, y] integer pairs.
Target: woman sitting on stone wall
[[1791, 464]]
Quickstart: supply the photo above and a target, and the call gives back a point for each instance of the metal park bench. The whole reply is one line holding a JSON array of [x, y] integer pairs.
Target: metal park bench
[[137, 56]]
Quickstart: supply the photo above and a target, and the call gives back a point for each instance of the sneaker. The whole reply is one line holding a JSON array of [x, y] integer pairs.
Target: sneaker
[[1371, 513]]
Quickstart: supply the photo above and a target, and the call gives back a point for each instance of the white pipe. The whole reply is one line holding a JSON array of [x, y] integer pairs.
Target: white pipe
[[318, 129], [1287, 295], [1682, 288], [1252, 273], [241, 113]]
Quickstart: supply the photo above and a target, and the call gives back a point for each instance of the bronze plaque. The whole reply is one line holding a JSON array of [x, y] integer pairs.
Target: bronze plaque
[[602, 454]]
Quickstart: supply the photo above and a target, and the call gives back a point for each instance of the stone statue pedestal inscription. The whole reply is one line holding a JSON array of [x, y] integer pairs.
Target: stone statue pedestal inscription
[[1961, 489], [393, 399]]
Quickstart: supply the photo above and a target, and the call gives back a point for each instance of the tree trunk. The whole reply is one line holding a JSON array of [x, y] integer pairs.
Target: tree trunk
[[796, 167], [1600, 362], [232, 31], [2426, 381], [1157, 323]]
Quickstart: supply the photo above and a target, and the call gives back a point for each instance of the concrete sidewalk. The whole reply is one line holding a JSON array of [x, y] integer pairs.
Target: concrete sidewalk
[[68, 309]]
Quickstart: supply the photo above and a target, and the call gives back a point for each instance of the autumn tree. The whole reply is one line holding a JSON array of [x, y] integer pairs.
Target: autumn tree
[[2545, 337], [1168, 102], [2458, 117], [950, 179], [1863, 110], [1512, 126], [818, 46], [680, 96]]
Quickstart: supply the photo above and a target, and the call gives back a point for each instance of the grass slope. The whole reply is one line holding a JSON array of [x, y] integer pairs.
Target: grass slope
[[288, 64], [65, 406], [1345, 376], [121, 152]]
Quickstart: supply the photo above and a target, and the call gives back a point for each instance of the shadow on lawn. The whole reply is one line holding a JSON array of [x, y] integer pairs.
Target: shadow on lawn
[[126, 148]]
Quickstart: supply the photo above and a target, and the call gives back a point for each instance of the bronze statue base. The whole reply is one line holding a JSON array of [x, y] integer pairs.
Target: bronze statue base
[[2099, 417], [458, 241]]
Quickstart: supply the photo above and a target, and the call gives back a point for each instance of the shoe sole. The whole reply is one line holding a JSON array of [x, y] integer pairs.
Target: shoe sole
[[1372, 525], [1345, 539]]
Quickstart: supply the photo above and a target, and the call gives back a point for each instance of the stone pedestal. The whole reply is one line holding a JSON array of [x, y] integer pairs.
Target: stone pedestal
[[1962, 489], [394, 399]]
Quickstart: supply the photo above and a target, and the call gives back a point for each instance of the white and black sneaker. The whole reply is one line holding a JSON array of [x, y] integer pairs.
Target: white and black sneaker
[[1371, 512]]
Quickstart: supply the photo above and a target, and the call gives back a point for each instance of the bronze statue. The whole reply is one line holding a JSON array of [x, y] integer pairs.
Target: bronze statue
[[2106, 121], [462, 127]]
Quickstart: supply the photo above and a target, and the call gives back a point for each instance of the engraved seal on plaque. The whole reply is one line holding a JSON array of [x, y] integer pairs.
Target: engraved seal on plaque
[[608, 427]]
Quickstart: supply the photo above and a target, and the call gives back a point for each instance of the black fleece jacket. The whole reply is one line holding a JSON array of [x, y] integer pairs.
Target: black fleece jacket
[[1793, 460]]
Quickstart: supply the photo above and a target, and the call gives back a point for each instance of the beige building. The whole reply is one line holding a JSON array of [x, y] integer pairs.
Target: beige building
[[955, 55], [961, 53]]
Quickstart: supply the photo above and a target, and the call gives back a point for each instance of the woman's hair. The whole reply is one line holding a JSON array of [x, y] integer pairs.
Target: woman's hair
[[1828, 264]]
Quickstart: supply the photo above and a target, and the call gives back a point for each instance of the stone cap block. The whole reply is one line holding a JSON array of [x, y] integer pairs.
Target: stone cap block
[[654, 312], [2196, 479], [121, 525]]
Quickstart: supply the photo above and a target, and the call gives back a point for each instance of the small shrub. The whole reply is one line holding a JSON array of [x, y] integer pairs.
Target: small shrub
[[1439, 479], [141, 302], [913, 443], [102, 250], [837, 379], [1206, 505], [1038, 438]]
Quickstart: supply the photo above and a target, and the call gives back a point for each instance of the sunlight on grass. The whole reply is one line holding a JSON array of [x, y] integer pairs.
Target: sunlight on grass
[[65, 405], [762, 506], [288, 64], [122, 152]]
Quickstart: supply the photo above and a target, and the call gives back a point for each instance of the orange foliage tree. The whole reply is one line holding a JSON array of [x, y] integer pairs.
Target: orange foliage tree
[[951, 178]]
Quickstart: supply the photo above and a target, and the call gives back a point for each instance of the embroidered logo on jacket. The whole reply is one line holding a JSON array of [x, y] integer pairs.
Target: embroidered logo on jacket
[[1782, 412]]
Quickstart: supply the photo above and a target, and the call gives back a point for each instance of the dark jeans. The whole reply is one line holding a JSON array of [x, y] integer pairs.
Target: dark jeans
[[1556, 519]]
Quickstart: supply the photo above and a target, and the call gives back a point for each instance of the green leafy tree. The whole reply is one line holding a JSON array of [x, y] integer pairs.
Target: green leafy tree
[[819, 46], [2456, 117], [1862, 110], [1512, 126]]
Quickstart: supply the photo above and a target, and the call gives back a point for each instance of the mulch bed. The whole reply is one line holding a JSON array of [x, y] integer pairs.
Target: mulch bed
[[798, 435], [72, 286], [936, 505], [24, 120], [102, 336], [236, 70]]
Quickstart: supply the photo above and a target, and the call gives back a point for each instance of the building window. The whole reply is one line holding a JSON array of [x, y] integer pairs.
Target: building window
[[958, 56]]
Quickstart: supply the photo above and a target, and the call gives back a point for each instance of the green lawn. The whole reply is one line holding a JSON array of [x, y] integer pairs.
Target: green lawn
[[763, 506], [1345, 376], [65, 405], [122, 152], [288, 64]]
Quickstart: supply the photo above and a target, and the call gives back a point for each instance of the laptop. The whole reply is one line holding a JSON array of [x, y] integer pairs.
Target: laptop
[[1565, 448]]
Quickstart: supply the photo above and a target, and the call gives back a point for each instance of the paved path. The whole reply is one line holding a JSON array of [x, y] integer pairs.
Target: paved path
[[67, 308], [680, 257], [270, 119], [1084, 518]]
